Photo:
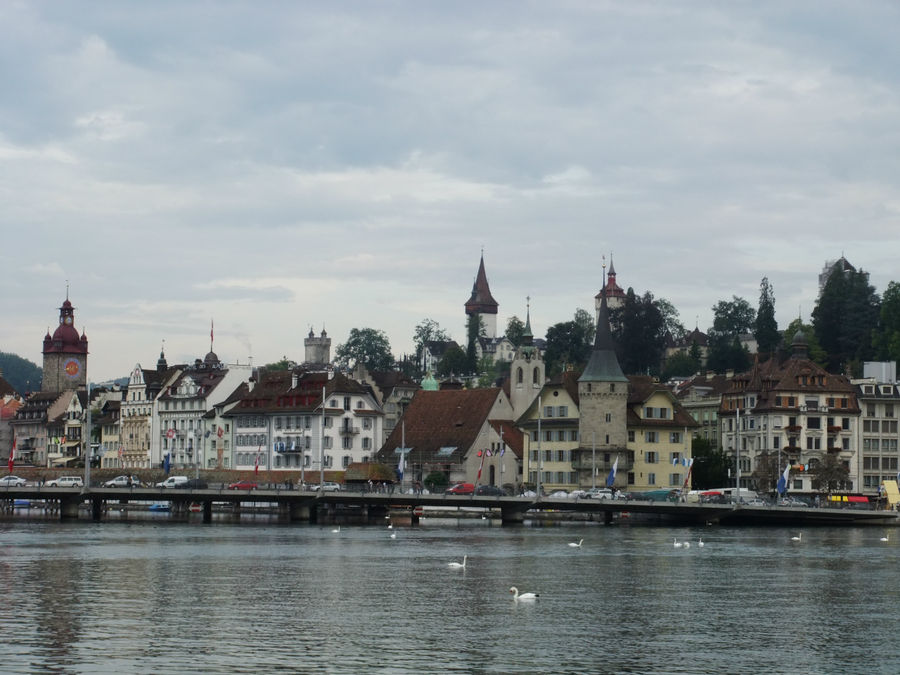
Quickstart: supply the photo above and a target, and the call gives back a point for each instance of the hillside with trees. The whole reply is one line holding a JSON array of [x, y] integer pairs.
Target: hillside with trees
[[22, 375]]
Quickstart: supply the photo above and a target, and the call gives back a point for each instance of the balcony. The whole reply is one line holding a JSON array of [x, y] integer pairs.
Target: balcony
[[836, 429], [793, 429], [348, 430]]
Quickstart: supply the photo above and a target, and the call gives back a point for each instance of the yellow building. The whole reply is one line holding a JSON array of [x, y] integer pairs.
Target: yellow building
[[659, 437]]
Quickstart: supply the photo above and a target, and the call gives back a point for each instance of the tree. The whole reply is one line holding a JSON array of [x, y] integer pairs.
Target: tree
[[515, 329], [283, 364], [681, 364], [453, 362], [886, 337], [830, 474], [765, 329], [731, 320], [367, 346], [768, 471], [639, 332], [710, 468], [567, 345], [22, 375], [427, 331], [674, 327], [844, 319], [586, 322]]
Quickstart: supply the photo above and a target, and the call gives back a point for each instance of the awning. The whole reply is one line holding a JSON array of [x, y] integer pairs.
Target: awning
[[63, 461], [891, 491]]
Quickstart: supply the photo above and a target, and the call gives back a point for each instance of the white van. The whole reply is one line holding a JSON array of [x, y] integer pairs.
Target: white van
[[172, 481]]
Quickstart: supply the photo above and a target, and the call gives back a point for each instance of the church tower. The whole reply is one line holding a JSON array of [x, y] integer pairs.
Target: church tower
[[527, 371], [615, 296], [603, 395], [65, 354], [318, 349], [482, 303]]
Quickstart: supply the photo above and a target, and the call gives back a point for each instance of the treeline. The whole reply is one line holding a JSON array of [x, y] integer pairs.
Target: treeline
[[22, 375]]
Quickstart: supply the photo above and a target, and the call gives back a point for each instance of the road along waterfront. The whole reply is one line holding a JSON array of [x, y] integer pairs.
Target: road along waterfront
[[157, 596]]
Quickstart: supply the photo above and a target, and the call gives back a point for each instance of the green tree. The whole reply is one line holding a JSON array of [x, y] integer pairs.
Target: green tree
[[427, 331], [670, 318], [453, 362], [845, 316], [586, 322], [768, 470], [886, 337], [765, 329], [567, 345], [710, 468], [515, 329], [680, 364], [283, 364], [22, 375], [367, 346], [639, 332], [731, 320]]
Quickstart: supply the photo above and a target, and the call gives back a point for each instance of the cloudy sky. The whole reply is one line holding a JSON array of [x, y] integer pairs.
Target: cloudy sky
[[280, 165]]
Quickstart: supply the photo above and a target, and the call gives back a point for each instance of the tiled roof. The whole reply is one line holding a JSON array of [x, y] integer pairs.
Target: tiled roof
[[275, 392], [441, 419], [513, 437], [6, 388], [640, 389]]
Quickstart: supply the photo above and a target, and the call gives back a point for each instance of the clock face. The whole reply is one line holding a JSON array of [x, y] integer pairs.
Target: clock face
[[72, 368]]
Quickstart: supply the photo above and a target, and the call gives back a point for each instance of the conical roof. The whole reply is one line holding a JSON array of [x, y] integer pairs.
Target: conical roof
[[481, 299], [603, 365]]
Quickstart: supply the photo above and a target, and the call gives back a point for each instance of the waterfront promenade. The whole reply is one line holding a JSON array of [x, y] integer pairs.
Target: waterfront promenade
[[306, 505]]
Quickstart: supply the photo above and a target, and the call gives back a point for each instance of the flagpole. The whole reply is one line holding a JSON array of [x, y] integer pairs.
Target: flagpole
[[593, 460], [540, 464], [322, 447], [87, 461], [737, 453], [501, 456]]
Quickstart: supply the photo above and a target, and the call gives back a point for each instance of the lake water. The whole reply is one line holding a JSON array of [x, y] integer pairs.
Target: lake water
[[252, 597]]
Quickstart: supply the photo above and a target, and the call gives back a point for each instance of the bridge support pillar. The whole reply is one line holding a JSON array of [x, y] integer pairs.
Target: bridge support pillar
[[96, 509], [68, 509], [207, 511], [511, 516], [607, 517], [299, 512]]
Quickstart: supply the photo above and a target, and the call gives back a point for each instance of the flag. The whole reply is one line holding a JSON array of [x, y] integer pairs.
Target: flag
[[611, 478], [12, 453], [675, 461], [210, 330], [256, 465], [502, 449], [483, 454], [401, 465], [782, 482], [294, 444], [219, 432], [167, 463], [489, 453]]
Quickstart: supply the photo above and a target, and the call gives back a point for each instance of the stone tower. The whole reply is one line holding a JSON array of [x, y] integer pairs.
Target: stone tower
[[482, 303], [65, 354], [527, 371], [603, 393], [318, 349]]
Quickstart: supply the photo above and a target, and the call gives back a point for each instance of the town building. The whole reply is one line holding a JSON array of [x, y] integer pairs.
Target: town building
[[615, 296], [297, 420], [139, 423], [10, 402], [109, 423], [878, 459], [481, 303], [65, 354], [791, 412], [465, 434], [392, 390], [701, 396]]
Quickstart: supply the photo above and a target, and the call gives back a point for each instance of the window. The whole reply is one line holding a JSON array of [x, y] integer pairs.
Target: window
[[651, 479], [813, 443], [345, 461], [548, 411], [674, 479], [519, 375], [347, 442], [608, 418], [328, 422], [651, 436], [366, 443], [563, 411], [814, 422], [675, 437], [888, 409], [651, 457], [631, 435]]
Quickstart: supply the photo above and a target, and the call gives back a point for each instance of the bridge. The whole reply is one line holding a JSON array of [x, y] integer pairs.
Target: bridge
[[305, 505]]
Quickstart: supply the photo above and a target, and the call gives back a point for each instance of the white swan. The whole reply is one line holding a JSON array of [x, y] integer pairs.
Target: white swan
[[458, 565], [677, 544], [687, 544], [700, 543], [578, 545], [336, 530], [885, 537], [798, 537], [393, 535], [390, 527], [522, 596]]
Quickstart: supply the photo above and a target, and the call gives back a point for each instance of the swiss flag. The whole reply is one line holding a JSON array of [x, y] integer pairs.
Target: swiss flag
[[11, 454]]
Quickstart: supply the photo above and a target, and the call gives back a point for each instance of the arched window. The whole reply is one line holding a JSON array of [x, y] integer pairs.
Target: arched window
[[535, 375], [519, 375]]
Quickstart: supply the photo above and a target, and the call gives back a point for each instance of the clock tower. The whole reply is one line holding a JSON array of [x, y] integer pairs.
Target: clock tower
[[65, 354]]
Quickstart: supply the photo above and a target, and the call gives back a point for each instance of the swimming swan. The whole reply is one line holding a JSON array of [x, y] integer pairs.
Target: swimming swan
[[798, 537], [574, 545], [522, 596], [458, 565]]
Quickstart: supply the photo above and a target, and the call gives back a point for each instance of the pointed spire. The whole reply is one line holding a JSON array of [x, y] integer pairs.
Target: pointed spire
[[527, 335], [603, 365], [481, 299]]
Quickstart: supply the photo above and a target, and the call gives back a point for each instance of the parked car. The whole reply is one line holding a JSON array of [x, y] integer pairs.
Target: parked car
[[193, 484], [243, 485], [600, 493], [328, 486], [489, 491], [793, 502], [757, 502], [579, 494], [172, 481], [12, 481], [66, 481], [123, 481], [460, 489], [559, 494]]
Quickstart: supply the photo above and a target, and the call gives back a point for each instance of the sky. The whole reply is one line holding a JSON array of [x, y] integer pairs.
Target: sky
[[280, 166]]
